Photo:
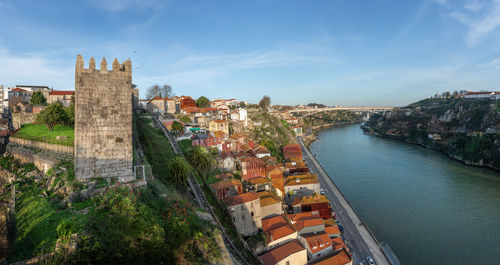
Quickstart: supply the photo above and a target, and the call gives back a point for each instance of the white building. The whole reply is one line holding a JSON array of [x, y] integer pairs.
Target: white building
[[483, 94]]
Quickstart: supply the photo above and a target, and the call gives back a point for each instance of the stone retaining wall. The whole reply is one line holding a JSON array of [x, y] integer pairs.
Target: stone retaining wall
[[68, 150], [43, 159]]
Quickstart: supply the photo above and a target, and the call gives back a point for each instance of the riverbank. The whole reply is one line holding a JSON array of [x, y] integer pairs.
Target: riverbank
[[310, 138], [401, 189], [439, 148]]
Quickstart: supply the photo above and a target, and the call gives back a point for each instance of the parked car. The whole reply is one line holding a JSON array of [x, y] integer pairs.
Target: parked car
[[321, 191], [370, 261]]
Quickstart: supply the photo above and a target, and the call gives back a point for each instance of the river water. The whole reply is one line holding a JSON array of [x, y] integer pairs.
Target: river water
[[429, 208]]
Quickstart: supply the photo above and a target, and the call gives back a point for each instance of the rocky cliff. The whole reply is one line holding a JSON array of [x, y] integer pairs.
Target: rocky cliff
[[467, 130]]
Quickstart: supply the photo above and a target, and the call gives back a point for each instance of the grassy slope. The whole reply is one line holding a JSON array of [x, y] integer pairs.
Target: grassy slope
[[39, 132]]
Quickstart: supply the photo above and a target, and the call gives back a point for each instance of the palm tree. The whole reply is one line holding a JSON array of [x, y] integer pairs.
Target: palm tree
[[201, 159], [179, 170]]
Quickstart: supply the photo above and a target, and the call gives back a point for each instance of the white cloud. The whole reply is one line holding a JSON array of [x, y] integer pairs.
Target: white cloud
[[33, 69], [480, 17]]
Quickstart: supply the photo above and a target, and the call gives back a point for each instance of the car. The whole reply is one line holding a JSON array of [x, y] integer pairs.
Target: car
[[321, 191], [370, 261]]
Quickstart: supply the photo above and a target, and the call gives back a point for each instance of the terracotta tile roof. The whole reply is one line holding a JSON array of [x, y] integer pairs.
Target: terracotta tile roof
[[61, 93], [317, 241], [332, 230], [253, 159], [259, 180], [277, 254], [220, 121], [225, 184], [299, 225], [280, 232], [299, 216], [219, 134], [242, 198], [340, 258], [237, 135], [300, 181], [17, 89], [273, 222], [267, 198], [338, 243], [313, 199]]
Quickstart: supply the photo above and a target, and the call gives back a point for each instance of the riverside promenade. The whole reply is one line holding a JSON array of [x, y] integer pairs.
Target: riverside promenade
[[359, 239]]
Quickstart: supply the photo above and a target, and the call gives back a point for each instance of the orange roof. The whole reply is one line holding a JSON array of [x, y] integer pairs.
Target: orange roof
[[17, 89], [253, 160], [280, 232], [237, 135], [298, 216], [219, 134], [267, 198], [259, 180], [317, 241], [277, 254], [340, 258], [242, 198], [300, 181], [299, 225], [225, 184], [279, 184], [338, 243], [332, 229], [273, 222], [313, 199], [61, 93], [220, 121]]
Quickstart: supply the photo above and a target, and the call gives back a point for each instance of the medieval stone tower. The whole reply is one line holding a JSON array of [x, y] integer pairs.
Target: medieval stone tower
[[103, 120]]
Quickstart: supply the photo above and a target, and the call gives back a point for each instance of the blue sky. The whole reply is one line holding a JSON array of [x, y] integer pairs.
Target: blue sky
[[350, 53]]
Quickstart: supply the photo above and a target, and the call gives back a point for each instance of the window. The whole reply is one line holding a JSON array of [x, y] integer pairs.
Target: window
[[252, 213], [234, 220], [287, 262]]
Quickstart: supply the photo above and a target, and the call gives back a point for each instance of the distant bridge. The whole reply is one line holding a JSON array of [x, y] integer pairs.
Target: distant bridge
[[310, 111]]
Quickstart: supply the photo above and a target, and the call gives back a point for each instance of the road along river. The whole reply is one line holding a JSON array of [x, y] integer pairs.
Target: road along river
[[430, 209]]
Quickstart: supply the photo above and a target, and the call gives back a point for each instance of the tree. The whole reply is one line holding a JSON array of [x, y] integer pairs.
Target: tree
[[265, 102], [159, 91], [52, 115], [202, 102], [455, 94], [177, 126], [185, 118], [201, 159], [70, 113], [37, 98], [179, 170]]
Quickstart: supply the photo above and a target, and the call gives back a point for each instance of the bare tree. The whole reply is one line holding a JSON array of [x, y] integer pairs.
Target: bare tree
[[159, 91]]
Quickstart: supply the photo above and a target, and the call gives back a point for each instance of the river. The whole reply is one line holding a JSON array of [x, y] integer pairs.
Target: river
[[430, 209]]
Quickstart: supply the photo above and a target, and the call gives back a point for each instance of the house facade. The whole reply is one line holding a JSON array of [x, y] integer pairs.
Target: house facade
[[245, 212]]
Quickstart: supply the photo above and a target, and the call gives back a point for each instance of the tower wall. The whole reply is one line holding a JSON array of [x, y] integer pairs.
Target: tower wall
[[103, 120]]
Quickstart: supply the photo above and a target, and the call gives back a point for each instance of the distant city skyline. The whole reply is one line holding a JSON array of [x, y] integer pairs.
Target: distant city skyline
[[350, 53]]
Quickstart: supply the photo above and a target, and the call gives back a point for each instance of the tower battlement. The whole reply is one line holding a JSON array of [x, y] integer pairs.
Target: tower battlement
[[103, 120], [116, 67]]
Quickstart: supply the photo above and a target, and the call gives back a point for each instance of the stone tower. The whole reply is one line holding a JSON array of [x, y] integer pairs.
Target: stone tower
[[103, 120]]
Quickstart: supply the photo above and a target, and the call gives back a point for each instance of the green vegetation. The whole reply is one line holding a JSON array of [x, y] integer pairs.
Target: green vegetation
[[455, 121], [156, 148], [202, 102], [185, 118], [179, 170], [40, 133], [37, 98], [53, 115], [201, 159]]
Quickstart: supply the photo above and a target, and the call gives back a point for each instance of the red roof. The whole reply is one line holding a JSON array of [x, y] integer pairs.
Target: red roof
[[280, 232], [273, 222], [332, 229], [17, 89], [253, 159], [300, 216], [340, 258], [317, 241], [279, 253], [242, 198], [299, 225], [338, 243], [61, 93]]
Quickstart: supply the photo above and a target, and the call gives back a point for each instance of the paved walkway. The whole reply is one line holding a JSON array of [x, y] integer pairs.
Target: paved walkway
[[358, 237]]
